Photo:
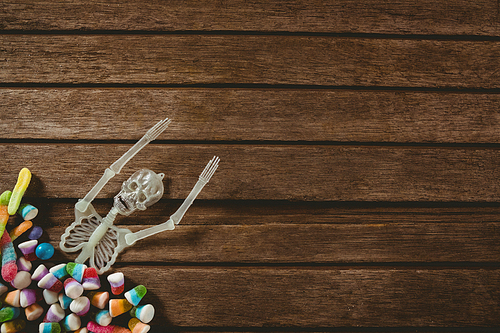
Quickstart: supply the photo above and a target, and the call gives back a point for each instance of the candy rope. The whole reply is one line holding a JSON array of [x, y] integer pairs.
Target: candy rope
[[9, 266]]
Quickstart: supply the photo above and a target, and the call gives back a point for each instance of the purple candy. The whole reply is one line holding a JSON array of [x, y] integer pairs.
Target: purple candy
[[35, 233], [28, 297], [54, 314], [39, 272], [24, 265]]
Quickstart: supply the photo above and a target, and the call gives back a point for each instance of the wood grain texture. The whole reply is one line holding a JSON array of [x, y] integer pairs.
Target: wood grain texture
[[346, 16], [275, 114], [270, 60], [312, 244], [272, 172], [358, 186], [221, 232], [323, 297], [59, 212]]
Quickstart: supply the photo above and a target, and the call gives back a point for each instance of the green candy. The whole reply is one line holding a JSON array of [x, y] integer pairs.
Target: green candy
[[8, 313], [5, 198]]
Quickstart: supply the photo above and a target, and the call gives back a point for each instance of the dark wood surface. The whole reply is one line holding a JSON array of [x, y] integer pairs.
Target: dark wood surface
[[358, 189]]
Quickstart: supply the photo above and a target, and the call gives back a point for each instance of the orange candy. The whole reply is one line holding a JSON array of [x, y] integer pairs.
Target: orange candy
[[119, 306]]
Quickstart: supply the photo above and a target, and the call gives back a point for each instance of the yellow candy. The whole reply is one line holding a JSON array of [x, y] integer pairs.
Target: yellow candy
[[17, 194], [136, 326], [13, 326]]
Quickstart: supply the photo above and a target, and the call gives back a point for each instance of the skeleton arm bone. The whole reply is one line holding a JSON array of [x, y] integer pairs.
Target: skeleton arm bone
[[204, 178], [172, 221], [116, 167]]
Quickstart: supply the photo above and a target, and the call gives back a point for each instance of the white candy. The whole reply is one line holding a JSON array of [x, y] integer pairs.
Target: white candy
[[55, 313], [22, 280], [24, 265], [80, 306], [72, 322], [39, 273], [50, 297]]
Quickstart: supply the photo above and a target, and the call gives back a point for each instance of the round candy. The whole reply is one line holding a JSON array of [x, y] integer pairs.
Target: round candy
[[44, 251], [35, 233]]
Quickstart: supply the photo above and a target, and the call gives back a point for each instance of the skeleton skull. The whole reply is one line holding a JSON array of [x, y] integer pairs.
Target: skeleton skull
[[141, 190]]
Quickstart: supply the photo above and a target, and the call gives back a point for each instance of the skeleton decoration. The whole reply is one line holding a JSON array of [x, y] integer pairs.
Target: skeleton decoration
[[140, 191], [98, 239]]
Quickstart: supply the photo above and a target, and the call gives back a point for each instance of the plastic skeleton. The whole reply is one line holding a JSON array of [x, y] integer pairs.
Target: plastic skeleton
[[98, 239]]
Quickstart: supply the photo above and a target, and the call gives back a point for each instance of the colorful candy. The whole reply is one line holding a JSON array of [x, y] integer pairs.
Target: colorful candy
[[65, 301], [54, 314], [91, 279], [136, 326], [49, 328], [17, 272], [24, 265], [59, 271], [117, 282], [33, 312], [13, 298], [102, 318], [27, 211], [99, 299], [44, 251], [118, 306], [22, 280], [72, 288], [13, 326], [35, 233], [9, 266], [135, 295], [80, 306], [8, 313], [23, 181], [76, 270], [20, 229], [96, 328], [4, 213], [39, 273], [28, 249], [51, 283], [71, 322], [144, 313], [29, 297]]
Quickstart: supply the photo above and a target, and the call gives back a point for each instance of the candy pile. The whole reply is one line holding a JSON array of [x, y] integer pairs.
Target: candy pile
[[65, 297]]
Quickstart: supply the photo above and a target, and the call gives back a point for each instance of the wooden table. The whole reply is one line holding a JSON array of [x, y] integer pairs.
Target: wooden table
[[358, 189]]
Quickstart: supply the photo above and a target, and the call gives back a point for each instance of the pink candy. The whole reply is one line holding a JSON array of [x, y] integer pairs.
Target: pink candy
[[72, 288], [117, 283]]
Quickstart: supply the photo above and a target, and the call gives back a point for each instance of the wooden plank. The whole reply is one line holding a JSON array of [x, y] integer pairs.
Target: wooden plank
[[323, 297], [270, 60], [305, 172], [59, 212], [316, 244], [346, 16], [281, 232], [277, 115]]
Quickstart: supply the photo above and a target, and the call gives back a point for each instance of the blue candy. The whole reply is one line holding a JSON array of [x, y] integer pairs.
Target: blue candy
[[44, 251]]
